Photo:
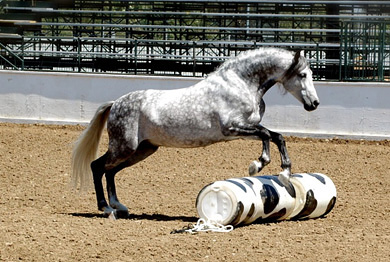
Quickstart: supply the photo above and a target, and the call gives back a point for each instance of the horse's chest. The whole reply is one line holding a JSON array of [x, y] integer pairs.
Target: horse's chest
[[241, 109]]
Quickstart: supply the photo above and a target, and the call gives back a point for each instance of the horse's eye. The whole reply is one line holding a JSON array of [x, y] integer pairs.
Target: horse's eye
[[302, 75]]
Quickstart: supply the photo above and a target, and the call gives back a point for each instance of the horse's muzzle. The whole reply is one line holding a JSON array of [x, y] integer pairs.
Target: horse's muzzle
[[313, 105]]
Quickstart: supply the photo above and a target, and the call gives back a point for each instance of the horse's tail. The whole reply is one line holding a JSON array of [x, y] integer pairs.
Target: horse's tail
[[86, 146]]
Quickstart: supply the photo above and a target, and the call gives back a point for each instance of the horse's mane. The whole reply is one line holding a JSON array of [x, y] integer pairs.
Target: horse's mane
[[266, 58], [258, 65]]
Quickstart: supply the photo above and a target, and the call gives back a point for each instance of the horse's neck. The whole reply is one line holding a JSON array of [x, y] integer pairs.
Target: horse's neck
[[258, 68], [262, 80], [253, 68]]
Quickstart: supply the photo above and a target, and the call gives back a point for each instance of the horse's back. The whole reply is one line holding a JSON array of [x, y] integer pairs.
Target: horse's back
[[181, 118], [175, 118]]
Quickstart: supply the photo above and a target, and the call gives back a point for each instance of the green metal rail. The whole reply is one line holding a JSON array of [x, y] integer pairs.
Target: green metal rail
[[344, 40], [142, 56], [365, 51]]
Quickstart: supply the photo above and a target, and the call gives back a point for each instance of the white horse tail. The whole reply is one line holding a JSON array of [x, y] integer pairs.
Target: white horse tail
[[86, 146]]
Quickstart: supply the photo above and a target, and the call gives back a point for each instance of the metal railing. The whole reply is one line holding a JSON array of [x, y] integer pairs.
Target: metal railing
[[144, 56], [365, 52], [10, 58], [191, 38]]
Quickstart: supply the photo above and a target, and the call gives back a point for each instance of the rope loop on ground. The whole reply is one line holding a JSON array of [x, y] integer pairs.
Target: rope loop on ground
[[204, 226]]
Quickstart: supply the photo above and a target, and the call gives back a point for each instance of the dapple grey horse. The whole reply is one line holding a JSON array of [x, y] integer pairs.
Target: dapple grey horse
[[226, 105]]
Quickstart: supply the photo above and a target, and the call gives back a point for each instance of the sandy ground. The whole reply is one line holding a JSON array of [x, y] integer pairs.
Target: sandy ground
[[43, 220]]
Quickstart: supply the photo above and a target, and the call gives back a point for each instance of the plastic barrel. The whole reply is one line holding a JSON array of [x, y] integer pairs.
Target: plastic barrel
[[246, 200], [316, 195]]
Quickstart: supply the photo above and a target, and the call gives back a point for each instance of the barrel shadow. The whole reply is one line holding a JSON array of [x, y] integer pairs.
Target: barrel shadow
[[143, 216]]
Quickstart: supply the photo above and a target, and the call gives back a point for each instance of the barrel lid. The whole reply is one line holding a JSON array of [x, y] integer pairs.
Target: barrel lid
[[218, 203]]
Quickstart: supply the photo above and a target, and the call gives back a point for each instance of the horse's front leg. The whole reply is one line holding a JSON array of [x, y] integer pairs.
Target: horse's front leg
[[266, 136], [285, 175], [265, 158]]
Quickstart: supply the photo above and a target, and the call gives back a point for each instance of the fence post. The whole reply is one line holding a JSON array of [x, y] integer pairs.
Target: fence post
[[22, 53], [318, 60], [135, 56], [193, 59], [78, 54], [381, 59]]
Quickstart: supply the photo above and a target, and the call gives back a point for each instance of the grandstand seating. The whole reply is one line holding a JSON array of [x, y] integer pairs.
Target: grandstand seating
[[344, 40]]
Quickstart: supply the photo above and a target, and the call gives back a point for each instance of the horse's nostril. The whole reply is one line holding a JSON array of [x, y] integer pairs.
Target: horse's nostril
[[312, 106]]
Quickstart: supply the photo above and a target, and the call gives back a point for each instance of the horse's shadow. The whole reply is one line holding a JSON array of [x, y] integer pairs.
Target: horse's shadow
[[143, 216]]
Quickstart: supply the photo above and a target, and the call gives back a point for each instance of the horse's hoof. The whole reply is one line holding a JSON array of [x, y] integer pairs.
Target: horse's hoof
[[109, 212], [116, 214], [112, 216], [120, 210], [284, 178], [254, 168], [121, 213]]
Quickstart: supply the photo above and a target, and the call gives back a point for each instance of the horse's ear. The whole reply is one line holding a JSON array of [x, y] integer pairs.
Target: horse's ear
[[291, 69], [297, 56]]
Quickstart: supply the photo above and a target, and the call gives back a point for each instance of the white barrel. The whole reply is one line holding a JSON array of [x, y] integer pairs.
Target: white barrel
[[316, 195], [245, 200], [273, 200], [226, 202]]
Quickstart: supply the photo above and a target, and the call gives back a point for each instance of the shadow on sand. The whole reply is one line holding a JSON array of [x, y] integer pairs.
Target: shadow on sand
[[155, 217]]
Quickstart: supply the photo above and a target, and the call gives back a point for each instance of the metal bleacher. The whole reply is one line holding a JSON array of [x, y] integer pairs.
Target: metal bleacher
[[344, 40]]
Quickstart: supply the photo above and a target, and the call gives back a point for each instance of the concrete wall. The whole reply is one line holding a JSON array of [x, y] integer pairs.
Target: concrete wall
[[359, 110]]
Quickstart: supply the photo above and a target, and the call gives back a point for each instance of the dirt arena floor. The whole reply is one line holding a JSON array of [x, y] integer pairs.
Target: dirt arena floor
[[43, 220]]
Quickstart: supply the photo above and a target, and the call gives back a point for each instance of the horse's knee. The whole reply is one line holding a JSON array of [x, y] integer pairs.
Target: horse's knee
[[286, 164], [278, 138]]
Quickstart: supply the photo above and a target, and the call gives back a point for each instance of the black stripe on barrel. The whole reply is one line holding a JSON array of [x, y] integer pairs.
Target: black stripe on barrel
[[250, 213], [237, 184], [240, 210], [320, 178], [331, 204], [310, 206], [270, 198]]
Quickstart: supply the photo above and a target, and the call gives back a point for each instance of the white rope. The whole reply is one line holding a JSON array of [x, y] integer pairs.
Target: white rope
[[204, 226], [201, 226]]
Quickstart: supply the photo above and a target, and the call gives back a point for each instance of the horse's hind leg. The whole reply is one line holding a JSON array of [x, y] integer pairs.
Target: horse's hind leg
[[98, 170], [144, 150], [120, 210]]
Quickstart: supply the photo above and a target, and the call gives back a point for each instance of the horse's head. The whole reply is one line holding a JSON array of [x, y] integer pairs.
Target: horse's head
[[298, 81]]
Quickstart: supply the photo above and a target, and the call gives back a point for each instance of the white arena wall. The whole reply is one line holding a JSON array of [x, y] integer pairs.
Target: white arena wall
[[350, 110]]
